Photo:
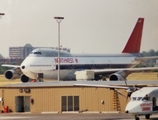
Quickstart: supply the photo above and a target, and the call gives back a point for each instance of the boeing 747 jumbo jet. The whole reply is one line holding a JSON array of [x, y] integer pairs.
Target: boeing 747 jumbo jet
[[44, 62]]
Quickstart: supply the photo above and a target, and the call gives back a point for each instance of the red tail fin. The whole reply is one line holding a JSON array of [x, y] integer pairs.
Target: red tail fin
[[134, 42]]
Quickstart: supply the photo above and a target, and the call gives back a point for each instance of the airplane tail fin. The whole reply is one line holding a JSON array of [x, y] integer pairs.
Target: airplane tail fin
[[134, 42]]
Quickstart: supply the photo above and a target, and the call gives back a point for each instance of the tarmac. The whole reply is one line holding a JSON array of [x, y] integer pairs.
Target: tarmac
[[70, 116]]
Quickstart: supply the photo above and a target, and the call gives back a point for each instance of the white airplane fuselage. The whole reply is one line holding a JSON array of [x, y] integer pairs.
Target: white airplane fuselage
[[143, 102], [70, 63]]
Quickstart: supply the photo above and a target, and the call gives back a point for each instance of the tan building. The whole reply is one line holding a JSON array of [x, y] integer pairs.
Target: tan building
[[59, 97]]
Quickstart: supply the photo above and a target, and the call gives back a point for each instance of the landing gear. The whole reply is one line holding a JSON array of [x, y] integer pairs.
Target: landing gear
[[100, 78], [40, 77], [40, 80], [136, 117], [147, 116], [103, 78]]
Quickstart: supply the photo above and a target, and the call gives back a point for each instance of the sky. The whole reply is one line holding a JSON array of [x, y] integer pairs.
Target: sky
[[89, 26]]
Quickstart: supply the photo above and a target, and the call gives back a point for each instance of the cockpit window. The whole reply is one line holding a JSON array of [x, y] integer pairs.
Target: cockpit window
[[134, 98], [146, 98], [139, 98], [37, 53]]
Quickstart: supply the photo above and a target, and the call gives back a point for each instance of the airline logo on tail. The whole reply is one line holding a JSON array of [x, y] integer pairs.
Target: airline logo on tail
[[134, 41]]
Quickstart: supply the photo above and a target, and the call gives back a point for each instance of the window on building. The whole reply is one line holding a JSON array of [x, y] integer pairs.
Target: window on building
[[64, 101], [76, 101], [70, 103]]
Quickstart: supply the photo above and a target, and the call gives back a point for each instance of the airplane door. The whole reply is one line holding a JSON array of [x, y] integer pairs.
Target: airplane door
[[92, 65], [53, 65]]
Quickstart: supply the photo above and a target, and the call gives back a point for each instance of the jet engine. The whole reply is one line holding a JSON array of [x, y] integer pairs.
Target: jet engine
[[119, 76], [116, 77], [24, 78], [11, 74]]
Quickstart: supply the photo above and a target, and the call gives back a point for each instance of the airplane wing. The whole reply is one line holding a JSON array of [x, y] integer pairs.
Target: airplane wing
[[112, 87], [121, 73], [101, 86], [130, 70], [11, 66]]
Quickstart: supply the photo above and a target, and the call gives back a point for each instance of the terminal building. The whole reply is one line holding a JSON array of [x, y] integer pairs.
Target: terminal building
[[60, 97]]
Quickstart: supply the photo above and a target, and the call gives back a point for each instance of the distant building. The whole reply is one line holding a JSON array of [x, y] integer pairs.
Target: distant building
[[156, 63], [1, 57], [20, 52], [23, 52]]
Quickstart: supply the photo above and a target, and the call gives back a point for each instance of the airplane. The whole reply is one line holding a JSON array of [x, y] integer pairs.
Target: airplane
[[42, 63], [143, 100]]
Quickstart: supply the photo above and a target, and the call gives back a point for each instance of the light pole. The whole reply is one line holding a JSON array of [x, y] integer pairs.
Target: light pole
[[1, 14], [59, 19]]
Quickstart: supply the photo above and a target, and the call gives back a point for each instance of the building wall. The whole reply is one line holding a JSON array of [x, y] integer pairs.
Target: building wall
[[49, 99], [19, 52]]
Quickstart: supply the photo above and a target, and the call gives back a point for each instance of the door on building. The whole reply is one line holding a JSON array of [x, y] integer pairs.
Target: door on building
[[22, 104], [27, 103], [19, 104], [69, 103]]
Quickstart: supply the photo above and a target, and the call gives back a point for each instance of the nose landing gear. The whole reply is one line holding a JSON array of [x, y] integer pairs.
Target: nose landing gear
[[146, 116], [136, 117], [40, 77]]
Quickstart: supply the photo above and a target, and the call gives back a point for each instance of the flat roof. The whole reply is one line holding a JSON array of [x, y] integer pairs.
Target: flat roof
[[71, 83]]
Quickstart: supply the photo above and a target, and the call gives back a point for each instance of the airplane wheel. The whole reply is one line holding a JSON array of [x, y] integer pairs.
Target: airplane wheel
[[136, 118], [147, 116]]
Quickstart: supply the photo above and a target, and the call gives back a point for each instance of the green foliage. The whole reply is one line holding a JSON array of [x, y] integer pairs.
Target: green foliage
[[151, 52], [149, 63], [2, 69]]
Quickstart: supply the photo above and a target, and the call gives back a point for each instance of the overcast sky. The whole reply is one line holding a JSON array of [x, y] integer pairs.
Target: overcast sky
[[89, 26]]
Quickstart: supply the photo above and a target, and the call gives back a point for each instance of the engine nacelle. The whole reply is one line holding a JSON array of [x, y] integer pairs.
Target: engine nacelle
[[116, 77], [24, 78], [11, 74]]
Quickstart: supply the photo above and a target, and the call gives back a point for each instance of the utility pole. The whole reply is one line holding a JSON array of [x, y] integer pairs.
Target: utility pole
[[59, 19]]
